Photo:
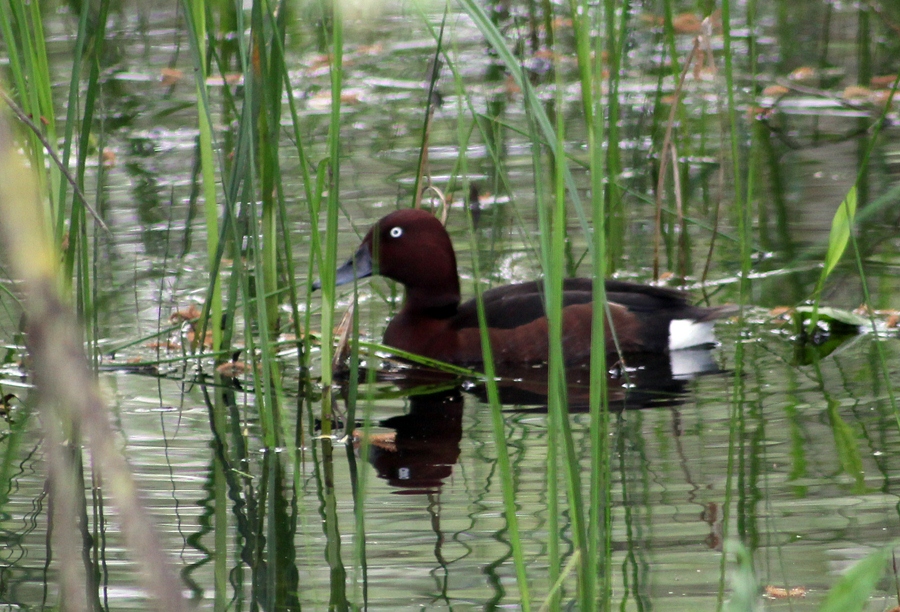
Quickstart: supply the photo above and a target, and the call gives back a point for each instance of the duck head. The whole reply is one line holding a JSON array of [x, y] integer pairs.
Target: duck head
[[411, 247]]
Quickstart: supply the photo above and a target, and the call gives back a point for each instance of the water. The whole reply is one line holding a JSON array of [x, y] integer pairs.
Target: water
[[801, 455]]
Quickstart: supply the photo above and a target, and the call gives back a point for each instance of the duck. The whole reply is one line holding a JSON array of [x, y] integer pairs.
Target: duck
[[412, 247]]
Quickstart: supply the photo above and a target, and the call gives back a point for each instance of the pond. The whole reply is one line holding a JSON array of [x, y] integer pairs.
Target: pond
[[786, 446]]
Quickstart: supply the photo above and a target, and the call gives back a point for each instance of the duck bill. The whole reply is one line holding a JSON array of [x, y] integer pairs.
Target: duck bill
[[357, 267]]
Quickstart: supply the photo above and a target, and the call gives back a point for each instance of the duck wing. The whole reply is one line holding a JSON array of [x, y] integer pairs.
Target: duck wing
[[512, 306]]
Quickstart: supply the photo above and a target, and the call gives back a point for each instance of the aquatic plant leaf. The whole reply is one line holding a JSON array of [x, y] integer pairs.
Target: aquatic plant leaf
[[808, 353], [841, 225], [853, 590], [836, 318], [832, 328]]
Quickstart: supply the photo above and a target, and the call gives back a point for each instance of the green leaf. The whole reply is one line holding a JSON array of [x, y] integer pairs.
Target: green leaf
[[841, 225], [853, 590], [850, 320]]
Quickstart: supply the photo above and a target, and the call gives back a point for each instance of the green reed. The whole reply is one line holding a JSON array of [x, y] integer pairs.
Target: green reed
[[599, 520], [498, 422], [560, 447], [22, 27], [550, 205], [741, 207], [219, 236], [555, 271], [260, 126], [614, 34], [553, 233], [255, 215], [252, 175], [266, 29], [329, 258], [312, 198], [195, 14]]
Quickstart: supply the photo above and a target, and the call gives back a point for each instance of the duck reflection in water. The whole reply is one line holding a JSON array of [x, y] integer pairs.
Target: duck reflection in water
[[421, 452], [635, 381], [419, 455]]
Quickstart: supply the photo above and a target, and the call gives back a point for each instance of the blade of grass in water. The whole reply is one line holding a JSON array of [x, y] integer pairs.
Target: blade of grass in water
[[557, 407], [547, 131], [240, 183], [553, 407], [498, 422], [82, 44], [614, 35], [31, 76], [300, 329], [269, 68], [264, 97], [78, 266], [742, 212], [195, 13], [359, 580], [599, 516], [316, 257], [556, 272], [549, 136], [329, 262]]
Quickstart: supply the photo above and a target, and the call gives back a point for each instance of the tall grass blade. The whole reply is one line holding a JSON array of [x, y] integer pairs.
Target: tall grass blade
[[552, 600], [742, 212], [498, 422], [498, 425], [329, 263], [614, 35], [547, 131], [195, 16], [558, 402], [301, 325], [599, 530]]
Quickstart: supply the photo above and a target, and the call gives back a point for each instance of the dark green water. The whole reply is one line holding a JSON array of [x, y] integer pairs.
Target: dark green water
[[802, 457]]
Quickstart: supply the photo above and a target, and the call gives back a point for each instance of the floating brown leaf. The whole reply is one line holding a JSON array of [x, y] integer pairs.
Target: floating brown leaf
[[170, 76], [773, 592]]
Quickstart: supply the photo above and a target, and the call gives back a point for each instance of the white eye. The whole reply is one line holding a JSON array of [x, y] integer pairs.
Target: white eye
[[396, 232]]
